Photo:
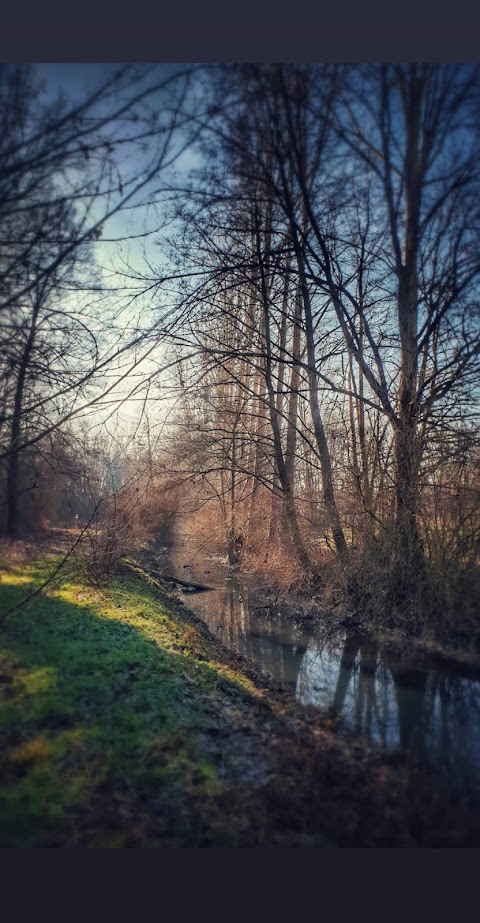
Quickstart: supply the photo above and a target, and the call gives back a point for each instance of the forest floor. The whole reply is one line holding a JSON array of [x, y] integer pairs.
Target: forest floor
[[125, 723]]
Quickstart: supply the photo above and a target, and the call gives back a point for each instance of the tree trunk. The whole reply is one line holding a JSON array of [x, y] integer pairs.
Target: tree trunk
[[276, 509], [320, 436], [407, 456], [292, 417], [232, 539], [12, 524], [295, 534]]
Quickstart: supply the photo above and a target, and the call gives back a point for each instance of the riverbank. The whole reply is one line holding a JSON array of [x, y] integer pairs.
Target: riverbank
[[450, 636], [458, 643], [124, 722]]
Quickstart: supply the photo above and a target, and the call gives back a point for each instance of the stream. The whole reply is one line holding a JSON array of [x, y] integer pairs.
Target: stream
[[427, 707]]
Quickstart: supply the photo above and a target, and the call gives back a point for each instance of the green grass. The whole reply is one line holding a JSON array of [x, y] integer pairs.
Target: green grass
[[104, 700]]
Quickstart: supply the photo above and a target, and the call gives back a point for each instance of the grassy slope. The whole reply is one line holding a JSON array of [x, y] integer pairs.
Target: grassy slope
[[123, 723]]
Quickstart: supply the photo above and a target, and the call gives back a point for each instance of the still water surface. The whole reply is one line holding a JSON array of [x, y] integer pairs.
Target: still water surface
[[426, 707]]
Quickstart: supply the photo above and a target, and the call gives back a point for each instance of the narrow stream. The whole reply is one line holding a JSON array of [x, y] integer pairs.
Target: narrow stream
[[427, 707]]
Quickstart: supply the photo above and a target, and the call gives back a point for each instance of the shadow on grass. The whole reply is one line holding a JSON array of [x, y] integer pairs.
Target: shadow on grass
[[98, 722]]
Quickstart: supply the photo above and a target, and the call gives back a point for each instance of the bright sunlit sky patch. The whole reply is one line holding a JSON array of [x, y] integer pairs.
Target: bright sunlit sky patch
[[74, 82]]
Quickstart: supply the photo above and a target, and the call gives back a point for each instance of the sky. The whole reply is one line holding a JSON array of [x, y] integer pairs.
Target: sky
[[74, 81]]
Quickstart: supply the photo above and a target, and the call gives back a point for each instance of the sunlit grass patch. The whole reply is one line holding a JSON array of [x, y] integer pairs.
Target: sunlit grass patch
[[102, 695], [14, 579], [39, 680]]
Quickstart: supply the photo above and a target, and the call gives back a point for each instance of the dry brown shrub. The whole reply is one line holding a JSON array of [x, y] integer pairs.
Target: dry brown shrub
[[126, 522], [202, 526]]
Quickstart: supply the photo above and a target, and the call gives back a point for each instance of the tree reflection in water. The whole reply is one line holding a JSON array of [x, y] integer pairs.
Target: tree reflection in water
[[428, 709], [274, 646]]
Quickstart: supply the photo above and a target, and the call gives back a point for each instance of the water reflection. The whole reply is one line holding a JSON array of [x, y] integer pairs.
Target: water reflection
[[275, 647], [427, 708]]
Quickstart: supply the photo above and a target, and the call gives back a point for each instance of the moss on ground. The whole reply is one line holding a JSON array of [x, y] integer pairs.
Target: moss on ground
[[124, 723], [103, 697]]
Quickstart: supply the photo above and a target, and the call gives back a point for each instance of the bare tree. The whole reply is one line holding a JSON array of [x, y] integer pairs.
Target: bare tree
[[65, 171]]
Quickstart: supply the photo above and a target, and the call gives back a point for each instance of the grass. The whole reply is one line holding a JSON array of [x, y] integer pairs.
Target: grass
[[105, 697], [123, 723]]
